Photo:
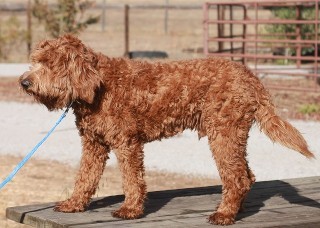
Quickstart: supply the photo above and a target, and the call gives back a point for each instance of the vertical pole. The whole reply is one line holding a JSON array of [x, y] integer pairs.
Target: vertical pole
[[256, 37], [126, 30], [205, 9], [231, 30], [166, 17], [29, 32], [103, 16], [316, 46], [221, 17], [298, 36], [244, 35]]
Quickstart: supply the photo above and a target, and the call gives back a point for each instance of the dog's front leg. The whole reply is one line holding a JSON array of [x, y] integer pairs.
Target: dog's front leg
[[92, 164], [130, 159]]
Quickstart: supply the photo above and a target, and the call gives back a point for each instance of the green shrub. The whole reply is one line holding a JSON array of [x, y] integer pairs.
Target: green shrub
[[64, 17], [307, 30], [11, 36], [309, 108]]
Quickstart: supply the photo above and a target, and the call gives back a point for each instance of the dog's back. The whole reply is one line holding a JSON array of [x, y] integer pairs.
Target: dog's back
[[167, 98]]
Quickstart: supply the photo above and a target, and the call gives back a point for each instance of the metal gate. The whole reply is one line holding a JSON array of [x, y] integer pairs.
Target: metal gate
[[278, 40]]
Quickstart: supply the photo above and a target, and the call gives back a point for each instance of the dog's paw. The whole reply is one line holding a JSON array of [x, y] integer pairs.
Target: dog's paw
[[221, 219], [69, 206], [128, 213]]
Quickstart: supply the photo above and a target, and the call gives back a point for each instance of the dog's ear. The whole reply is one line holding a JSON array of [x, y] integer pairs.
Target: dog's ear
[[42, 53], [82, 62], [85, 79]]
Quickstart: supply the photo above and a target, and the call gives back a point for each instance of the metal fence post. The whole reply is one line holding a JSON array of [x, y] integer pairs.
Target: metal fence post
[[126, 30]]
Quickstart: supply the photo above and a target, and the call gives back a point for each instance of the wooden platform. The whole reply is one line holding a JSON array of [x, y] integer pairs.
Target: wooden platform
[[280, 203]]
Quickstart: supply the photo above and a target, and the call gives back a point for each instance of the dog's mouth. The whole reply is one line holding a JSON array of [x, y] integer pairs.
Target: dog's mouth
[[55, 101], [54, 97], [30, 93], [52, 103]]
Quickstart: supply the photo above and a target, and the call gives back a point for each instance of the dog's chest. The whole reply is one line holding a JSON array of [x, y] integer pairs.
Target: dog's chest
[[107, 129]]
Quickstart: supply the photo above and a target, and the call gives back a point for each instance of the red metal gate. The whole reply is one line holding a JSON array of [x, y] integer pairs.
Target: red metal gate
[[274, 47]]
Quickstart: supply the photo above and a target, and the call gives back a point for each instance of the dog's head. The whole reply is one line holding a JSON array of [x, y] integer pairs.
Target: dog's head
[[63, 70]]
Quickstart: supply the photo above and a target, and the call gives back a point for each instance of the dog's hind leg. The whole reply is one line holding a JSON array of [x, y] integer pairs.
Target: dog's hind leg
[[228, 142], [92, 164], [130, 161]]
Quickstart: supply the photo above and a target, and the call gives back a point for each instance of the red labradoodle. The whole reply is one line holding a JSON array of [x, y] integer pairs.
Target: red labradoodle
[[121, 104]]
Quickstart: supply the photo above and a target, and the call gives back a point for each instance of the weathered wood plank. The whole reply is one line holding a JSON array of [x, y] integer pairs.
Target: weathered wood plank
[[280, 203]]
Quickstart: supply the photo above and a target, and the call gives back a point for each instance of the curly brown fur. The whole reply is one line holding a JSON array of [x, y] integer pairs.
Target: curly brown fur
[[121, 104]]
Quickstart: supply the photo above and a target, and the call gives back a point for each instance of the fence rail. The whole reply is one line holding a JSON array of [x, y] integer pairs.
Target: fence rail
[[238, 31]]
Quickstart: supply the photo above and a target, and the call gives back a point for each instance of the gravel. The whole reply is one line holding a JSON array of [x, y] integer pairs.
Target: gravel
[[24, 125]]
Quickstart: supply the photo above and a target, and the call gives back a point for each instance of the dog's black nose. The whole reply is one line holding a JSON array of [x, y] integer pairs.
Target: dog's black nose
[[25, 83]]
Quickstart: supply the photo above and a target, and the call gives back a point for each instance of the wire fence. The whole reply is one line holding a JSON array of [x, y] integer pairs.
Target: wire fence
[[173, 29]]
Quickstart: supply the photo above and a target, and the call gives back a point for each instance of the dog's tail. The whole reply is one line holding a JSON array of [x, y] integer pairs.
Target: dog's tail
[[279, 130]]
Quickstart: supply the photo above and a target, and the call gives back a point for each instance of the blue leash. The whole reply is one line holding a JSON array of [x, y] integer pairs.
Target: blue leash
[[29, 155]]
